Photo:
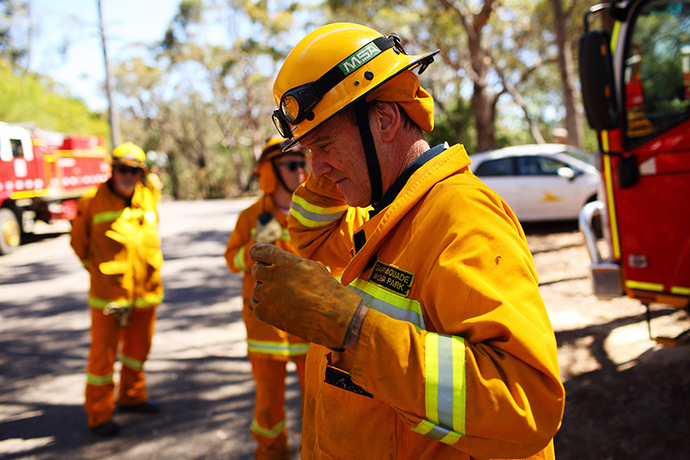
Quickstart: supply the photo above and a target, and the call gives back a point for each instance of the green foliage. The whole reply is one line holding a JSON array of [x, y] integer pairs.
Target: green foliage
[[590, 143], [207, 106], [659, 39], [14, 30], [34, 98], [189, 14]]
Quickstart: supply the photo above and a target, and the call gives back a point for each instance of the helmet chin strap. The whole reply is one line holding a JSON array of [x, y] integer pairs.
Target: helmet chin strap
[[276, 171], [362, 116]]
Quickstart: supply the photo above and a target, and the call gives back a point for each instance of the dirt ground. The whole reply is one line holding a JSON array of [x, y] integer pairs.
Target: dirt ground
[[627, 397]]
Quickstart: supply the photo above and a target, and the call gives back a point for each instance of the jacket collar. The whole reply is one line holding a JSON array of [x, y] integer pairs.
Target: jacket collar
[[400, 182], [434, 168]]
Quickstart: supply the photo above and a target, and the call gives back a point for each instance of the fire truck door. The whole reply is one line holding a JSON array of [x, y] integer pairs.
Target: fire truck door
[[17, 147]]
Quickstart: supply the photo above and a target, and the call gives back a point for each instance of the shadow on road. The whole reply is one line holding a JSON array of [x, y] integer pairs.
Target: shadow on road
[[198, 370], [194, 407], [200, 375]]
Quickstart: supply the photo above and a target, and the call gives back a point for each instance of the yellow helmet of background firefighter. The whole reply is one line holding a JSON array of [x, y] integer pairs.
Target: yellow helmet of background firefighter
[[129, 154], [370, 65], [265, 169]]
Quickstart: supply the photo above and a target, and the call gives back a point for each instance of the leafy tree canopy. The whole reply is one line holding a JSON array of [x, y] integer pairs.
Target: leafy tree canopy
[[35, 98]]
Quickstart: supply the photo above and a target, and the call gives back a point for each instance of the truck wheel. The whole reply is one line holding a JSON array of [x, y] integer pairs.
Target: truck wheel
[[10, 232]]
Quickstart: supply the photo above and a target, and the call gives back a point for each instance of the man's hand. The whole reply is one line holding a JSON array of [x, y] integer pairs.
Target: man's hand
[[301, 297]]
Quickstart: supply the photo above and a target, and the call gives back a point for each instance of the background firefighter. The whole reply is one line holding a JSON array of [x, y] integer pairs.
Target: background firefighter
[[269, 348], [115, 234], [437, 344]]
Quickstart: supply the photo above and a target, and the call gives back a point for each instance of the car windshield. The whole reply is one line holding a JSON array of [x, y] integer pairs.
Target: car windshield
[[580, 155]]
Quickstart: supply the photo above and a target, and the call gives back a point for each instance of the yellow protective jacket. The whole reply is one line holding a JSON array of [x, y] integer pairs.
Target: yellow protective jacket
[[457, 353], [262, 338], [118, 243]]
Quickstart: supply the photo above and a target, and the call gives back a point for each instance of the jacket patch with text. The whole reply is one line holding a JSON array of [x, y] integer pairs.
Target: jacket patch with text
[[392, 278]]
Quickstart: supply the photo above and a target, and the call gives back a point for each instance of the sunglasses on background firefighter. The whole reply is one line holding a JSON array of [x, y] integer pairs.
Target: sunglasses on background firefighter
[[128, 170], [297, 103], [293, 166]]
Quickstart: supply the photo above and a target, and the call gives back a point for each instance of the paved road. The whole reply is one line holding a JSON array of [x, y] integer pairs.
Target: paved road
[[197, 370], [627, 396]]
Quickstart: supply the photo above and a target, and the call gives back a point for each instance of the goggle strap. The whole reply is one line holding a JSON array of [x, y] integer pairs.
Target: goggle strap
[[362, 116]]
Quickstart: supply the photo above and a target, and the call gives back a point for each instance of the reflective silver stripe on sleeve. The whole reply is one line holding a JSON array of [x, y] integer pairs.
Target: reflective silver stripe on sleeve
[[314, 216], [389, 303]]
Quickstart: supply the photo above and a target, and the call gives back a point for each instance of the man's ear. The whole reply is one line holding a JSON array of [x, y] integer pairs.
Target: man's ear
[[388, 119]]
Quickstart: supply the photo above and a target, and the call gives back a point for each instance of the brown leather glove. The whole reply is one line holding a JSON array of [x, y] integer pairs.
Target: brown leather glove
[[301, 297], [120, 312], [268, 229]]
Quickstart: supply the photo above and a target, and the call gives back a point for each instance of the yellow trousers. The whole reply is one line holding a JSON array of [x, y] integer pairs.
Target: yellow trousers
[[106, 337], [269, 424]]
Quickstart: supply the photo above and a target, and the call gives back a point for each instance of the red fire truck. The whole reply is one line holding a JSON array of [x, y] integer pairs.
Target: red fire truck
[[42, 174], [635, 75]]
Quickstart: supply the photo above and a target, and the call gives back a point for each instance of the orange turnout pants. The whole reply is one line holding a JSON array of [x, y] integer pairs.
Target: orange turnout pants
[[269, 423], [106, 335]]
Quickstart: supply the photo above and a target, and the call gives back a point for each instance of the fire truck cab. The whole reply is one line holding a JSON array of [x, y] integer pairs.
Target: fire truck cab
[[635, 75], [42, 174]]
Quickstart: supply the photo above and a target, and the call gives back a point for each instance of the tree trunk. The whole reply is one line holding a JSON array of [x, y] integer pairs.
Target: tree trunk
[[484, 118], [573, 122], [482, 103]]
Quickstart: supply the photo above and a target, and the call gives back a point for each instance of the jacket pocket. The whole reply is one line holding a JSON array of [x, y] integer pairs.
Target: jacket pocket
[[343, 416]]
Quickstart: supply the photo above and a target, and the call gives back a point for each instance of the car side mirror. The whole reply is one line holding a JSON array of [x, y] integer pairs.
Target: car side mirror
[[566, 172]]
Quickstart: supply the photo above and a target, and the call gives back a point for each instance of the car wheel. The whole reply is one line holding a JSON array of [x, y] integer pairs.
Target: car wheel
[[10, 231]]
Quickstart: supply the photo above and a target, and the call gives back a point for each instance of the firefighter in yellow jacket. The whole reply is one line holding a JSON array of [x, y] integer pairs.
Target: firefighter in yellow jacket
[[437, 344], [269, 348], [115, 234]]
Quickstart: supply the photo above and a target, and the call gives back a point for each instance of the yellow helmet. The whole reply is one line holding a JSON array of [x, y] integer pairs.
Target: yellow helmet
[[129, 154], [337, 64], [267, 170], [273, 147]]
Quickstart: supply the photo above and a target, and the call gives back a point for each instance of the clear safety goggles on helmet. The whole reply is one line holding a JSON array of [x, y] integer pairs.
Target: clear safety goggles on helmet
[[296, 104]]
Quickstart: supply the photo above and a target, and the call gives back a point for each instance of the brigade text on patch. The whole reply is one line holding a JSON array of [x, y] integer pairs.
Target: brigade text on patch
[[392, 278]]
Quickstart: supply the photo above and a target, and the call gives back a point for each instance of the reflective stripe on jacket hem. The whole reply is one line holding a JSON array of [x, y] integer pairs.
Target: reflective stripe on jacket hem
[[149, 300], [436, 432], [277, 348]]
